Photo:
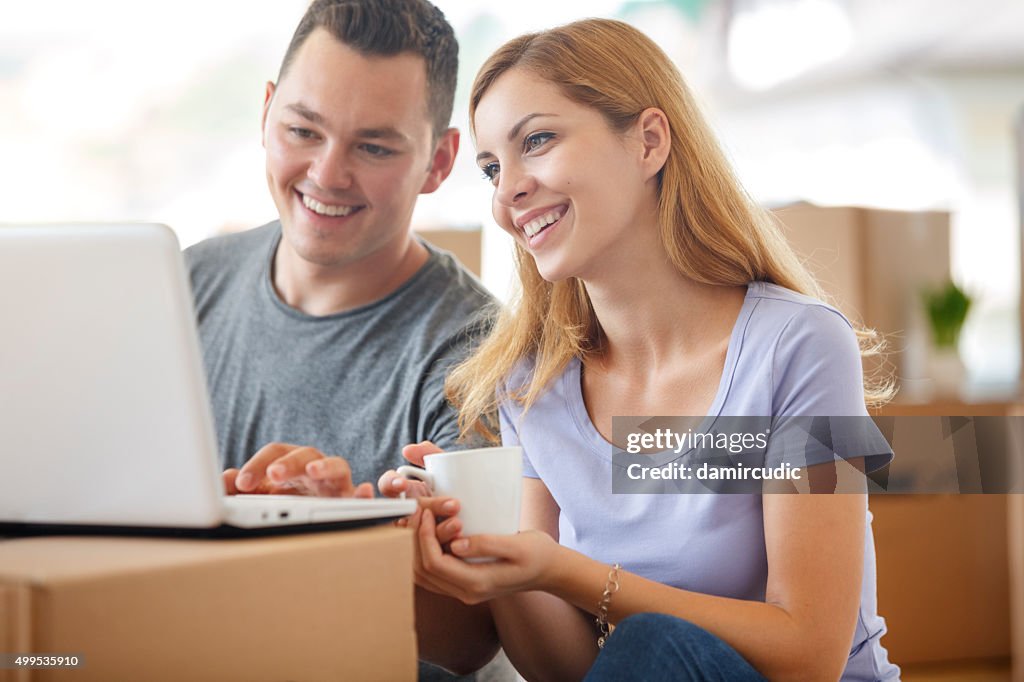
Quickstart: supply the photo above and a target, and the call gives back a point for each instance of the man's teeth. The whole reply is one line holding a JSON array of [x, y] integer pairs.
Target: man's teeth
[[323, 209], [539, 223]]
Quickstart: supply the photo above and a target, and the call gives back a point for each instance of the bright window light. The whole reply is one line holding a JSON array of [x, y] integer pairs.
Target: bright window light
[[773, 42]]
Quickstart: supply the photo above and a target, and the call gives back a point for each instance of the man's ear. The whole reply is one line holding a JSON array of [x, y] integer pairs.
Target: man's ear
[[444, 158], [268, 97], [653, 128]]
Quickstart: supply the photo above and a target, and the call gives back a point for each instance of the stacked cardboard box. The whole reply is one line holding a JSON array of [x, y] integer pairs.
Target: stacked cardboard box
[[466, 245], [873, 264]]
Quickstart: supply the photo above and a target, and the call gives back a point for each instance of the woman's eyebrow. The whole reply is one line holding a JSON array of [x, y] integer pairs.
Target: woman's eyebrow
[[514, 132]]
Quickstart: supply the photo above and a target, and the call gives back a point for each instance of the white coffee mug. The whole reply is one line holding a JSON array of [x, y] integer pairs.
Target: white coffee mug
[[488, 483]]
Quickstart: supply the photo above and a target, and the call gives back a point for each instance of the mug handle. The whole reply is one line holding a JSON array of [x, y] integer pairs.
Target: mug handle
[[417, 474]]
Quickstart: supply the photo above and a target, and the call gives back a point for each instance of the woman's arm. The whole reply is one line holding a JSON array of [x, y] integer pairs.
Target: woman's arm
[[543, 636], [815, 547], [814, 544]]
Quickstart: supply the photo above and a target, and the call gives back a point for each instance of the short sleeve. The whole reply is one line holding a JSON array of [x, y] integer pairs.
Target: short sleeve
[[816, 368], [818, 397], [510, 436], [440, 419]]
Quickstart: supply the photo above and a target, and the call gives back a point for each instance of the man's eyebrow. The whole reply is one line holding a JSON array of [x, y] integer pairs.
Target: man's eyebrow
[[384, 133], [514, 132], [305, 112]]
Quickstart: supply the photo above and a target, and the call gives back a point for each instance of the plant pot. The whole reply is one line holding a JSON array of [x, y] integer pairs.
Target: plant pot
[[947, 371]]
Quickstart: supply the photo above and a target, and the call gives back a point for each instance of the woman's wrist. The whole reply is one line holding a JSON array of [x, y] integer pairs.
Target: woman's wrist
[[577, 579], [570, 574], [553, 577]]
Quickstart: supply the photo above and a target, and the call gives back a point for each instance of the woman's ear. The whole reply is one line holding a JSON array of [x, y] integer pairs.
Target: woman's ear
[[652, 126]]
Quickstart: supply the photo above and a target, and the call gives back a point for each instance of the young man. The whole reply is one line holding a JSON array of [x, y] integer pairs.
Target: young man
[[333, 327]]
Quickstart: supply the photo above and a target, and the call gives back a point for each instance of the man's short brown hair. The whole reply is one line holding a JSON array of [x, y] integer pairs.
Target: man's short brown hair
[[386, 28]]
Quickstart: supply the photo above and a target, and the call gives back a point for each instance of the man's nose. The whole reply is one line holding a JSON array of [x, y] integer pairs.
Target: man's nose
[[330, 168]]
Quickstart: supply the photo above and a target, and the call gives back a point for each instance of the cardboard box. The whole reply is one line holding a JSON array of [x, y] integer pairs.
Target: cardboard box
[[1016, 549], [943, 576], [466, 245], [873, 264], [324, 606]]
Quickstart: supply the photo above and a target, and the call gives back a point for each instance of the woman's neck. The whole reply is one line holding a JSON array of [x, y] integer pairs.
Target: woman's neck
[[652, 316]]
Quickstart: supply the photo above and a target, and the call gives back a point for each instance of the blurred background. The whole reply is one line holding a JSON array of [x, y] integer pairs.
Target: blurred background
[[886, 134], [124, 110]]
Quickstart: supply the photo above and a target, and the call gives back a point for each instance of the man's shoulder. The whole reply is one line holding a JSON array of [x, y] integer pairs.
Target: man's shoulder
[[217, 266], [443, 310], [232, 246], [447, 279]]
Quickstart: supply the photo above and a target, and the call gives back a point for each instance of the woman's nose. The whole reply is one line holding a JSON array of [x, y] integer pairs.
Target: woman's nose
[[514, 185]]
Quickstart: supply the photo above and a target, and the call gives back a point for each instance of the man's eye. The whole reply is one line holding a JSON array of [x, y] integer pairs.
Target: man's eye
[[301, 133], [377, 150], [536, 140], [490, 171]]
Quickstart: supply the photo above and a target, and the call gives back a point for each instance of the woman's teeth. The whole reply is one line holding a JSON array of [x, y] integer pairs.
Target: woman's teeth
[[324, 209], [539, 223]]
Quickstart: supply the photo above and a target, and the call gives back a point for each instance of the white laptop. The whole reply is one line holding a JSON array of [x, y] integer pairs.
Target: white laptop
[[104, 414]]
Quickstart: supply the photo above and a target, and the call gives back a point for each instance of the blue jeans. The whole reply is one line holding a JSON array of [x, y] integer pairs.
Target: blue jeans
[[657, 648]]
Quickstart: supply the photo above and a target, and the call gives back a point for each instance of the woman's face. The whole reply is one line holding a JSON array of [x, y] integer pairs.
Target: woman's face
[[566, 186]]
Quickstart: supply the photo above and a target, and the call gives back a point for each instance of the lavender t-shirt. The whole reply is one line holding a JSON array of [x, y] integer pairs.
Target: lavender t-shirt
[[788, 355]]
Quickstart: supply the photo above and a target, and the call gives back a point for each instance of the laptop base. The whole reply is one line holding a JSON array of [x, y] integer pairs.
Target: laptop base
[[13, 530]]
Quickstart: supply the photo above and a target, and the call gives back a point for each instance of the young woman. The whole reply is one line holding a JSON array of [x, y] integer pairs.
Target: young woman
[[651, 285]]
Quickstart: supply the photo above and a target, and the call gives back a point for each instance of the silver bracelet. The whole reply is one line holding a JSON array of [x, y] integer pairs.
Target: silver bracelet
[[610, 588]]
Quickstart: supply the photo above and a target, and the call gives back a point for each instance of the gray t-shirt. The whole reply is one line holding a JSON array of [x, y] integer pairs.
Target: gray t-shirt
[[360, 384]]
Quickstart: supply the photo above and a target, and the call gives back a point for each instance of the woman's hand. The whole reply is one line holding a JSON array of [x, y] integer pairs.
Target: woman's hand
[[520, 562], [390, 484]]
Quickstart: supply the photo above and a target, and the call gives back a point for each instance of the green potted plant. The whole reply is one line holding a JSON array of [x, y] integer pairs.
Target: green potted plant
[[946, 308]]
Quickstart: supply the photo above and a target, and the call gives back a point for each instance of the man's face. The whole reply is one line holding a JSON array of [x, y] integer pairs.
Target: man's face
[[348, 142]]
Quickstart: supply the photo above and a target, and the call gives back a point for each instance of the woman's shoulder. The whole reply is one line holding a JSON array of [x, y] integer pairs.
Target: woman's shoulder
[[777, 305], [519, 377], [518, 383], [813, 351], [783, 319]]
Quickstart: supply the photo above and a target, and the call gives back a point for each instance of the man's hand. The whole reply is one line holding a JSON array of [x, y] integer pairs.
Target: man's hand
[[285, 469]]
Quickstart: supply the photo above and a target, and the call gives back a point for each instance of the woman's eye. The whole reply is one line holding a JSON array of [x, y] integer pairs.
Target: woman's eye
[[536, 140], [490, 171]]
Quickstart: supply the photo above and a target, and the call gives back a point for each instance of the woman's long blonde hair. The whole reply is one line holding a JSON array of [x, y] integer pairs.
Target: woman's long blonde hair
[[711, 229]]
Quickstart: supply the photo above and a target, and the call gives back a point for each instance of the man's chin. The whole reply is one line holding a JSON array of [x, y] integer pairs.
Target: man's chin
[[326, 257], [317, 250]]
